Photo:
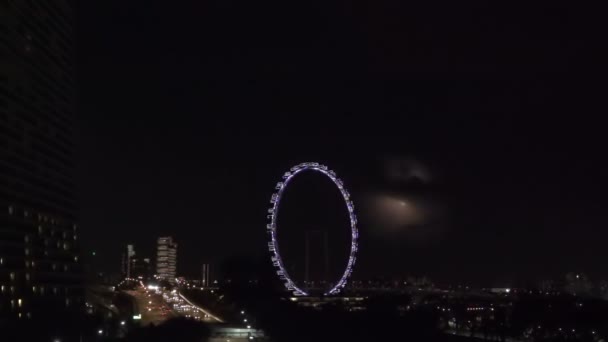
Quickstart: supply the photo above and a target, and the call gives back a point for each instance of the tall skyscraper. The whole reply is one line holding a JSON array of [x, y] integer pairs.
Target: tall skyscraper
[[166, 259], [126, 261], [40, 267], [206, 276]]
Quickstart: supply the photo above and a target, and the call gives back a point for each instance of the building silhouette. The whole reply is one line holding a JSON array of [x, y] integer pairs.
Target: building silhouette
[[40, 265], [206, 276], [140, 269]]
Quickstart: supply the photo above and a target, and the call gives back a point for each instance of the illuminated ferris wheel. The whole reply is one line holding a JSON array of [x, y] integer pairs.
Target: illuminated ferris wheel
[[272, 227]]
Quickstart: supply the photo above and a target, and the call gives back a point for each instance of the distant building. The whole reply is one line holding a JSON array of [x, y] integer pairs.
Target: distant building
[[421, 282], [126, 261], [206, 280], [141, 269], [578, 284], [40, 264], [166, 259]]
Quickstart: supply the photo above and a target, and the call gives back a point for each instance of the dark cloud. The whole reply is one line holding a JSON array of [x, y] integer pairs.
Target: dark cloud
[[405, 170]]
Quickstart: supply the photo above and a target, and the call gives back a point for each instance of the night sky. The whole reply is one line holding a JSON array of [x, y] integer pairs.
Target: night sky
[[485, 122]]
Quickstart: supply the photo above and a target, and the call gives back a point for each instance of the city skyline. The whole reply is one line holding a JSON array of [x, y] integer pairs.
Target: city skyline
[[496, 150], [302, 171]]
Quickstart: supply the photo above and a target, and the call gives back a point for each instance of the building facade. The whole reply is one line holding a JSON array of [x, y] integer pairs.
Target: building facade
[[40, 266], [166, 259], [141, 269], [206, 280], [127, 261]]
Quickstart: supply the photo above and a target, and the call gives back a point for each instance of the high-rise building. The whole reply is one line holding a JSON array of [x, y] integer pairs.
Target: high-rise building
[[127, 261], [141, 269], [40, 267], [133, 267], [206, 276], [166, 259]]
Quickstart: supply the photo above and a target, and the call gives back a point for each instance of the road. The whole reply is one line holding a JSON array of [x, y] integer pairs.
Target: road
[[204, 314], [152, 307], [156, 308]]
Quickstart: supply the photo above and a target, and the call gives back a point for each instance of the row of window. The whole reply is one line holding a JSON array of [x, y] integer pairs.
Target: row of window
[[32, 265], [40, 289], [12, 210], [58, 119]]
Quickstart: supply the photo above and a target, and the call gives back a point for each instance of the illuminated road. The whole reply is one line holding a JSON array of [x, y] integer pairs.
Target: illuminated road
[[188, 309], [152, 307], [206, 314], [156, 307]]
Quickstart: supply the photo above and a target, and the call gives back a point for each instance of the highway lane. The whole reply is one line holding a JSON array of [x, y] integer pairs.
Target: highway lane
[[152, 307]]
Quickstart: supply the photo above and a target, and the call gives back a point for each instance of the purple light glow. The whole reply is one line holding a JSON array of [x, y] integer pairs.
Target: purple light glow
[[273, 244]]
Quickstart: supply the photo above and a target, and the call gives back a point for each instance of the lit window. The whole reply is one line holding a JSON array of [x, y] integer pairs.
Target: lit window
[[12, 289], [11, 210], [54, 267], [27, 276], [27, 251], [2, 288], [12, 276], [27, 264], [29, 315], [33, 264], [65, 268], [55, 290], [1, 261], [67, 302], [34, 289], [19, 302], [76, 259], [26, 213], [41, 290], [66, 246], [40, 230]]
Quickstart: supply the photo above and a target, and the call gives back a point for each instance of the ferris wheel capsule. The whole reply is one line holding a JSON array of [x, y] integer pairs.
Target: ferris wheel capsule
[[272, 227]]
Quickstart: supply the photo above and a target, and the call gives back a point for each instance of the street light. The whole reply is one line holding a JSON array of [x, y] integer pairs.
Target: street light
[[100, 332], [122, 323]]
